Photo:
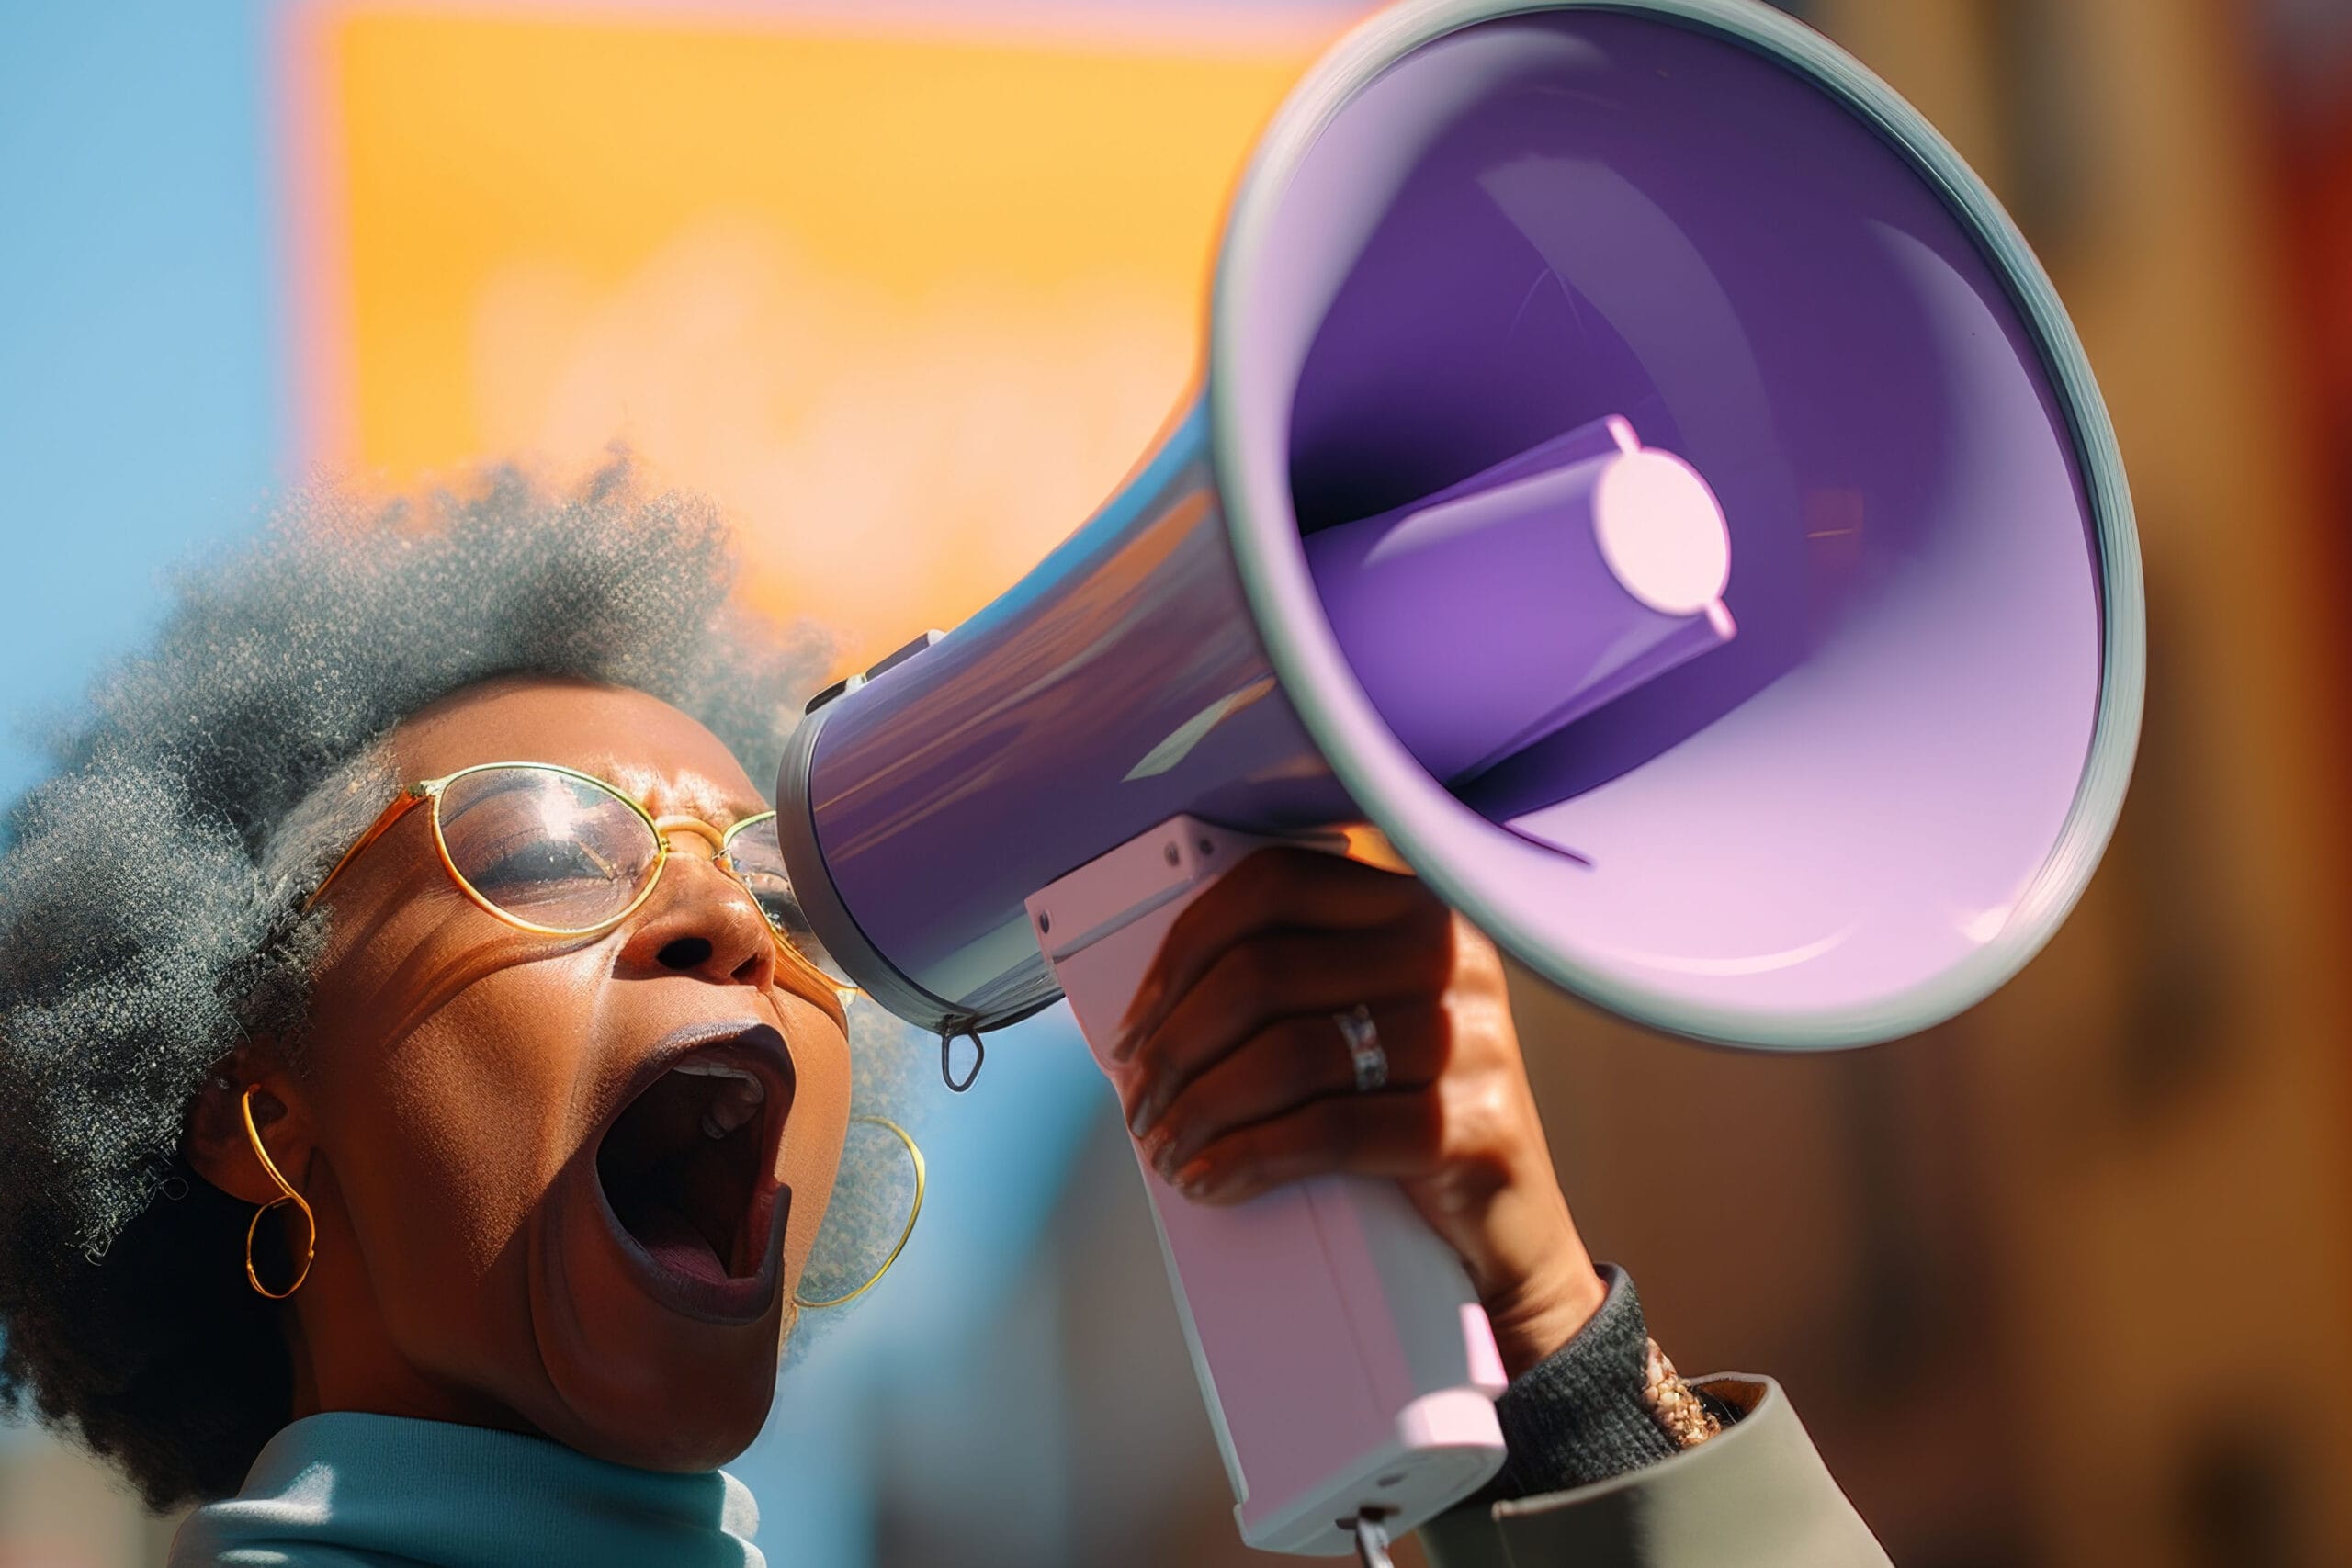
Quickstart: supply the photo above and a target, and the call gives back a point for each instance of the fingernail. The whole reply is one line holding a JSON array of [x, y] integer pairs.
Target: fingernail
[[1131, 1025], [1193, 1179], [1157, 1148], [1146, 1112]]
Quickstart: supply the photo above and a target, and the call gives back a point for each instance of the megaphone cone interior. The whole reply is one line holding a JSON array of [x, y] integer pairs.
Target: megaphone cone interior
[[1866, 809]]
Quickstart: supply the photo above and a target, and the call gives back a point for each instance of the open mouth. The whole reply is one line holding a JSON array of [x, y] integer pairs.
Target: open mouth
[[688, 1167]]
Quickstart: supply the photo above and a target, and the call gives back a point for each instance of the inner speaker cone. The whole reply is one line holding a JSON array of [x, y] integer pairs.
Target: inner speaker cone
[[1502, 609]]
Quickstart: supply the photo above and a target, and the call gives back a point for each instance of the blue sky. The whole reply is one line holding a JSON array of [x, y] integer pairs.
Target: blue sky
[[140, 388]]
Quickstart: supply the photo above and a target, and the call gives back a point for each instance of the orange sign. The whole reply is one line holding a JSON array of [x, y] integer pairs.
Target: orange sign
[[907, 297]]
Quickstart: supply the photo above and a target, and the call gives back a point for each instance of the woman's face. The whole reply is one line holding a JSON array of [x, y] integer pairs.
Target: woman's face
[[562, 1184]]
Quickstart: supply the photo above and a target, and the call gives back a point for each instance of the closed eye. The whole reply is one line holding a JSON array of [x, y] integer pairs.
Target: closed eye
[[543, 861]]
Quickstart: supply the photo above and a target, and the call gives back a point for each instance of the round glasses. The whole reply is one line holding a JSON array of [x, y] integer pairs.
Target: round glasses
[[561, 853]]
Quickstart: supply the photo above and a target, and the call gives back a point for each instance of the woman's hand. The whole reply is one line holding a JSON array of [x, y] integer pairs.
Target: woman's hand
[[1236, 1077]]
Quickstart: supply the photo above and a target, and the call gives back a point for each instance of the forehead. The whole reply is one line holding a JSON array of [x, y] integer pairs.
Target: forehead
[[638, 742]]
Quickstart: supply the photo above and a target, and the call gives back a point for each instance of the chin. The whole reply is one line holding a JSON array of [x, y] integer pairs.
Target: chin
[[710, 1439], [632, 1379], [656, 1259]]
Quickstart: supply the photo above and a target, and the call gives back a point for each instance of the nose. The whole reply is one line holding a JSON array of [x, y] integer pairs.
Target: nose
[[700, 920]]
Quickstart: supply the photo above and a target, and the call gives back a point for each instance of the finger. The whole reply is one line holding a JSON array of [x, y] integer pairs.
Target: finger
[[1271, 977], [1289, 1063], [1395, 1135], [1273, 889]]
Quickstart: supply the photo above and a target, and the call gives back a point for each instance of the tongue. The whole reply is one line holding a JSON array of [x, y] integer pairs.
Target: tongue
[[673, 1241]]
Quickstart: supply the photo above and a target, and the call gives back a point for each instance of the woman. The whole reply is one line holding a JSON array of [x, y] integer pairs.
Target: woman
[[417, 1118]]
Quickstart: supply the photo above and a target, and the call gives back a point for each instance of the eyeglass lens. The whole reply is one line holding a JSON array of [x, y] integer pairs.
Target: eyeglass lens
[[757, 860], [571, 854], [548, 849]]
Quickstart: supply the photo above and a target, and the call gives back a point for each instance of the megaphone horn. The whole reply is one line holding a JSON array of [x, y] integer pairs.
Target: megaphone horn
[[1641, 471]]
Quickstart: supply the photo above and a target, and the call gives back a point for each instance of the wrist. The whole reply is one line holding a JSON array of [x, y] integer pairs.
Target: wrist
[[1535, 1318]]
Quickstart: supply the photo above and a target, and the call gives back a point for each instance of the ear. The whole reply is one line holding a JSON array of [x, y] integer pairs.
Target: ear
[[220, 1150]]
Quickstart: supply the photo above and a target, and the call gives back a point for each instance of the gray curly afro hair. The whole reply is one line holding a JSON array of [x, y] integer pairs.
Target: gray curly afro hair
[[149, 895]]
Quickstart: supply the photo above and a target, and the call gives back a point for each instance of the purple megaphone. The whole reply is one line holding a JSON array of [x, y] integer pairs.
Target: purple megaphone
[[1639, 469]]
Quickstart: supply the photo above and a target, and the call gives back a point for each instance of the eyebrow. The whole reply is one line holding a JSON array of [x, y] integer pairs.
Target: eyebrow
[[718, 807]]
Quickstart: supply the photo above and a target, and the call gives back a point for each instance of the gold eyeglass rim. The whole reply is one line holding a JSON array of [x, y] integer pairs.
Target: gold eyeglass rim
[[428, 793]]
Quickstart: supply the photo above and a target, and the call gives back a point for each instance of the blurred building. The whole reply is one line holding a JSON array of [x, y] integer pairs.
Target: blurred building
[[2066, 1281]]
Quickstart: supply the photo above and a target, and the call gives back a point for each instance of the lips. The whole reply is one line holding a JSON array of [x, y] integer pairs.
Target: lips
[[688, 1168]]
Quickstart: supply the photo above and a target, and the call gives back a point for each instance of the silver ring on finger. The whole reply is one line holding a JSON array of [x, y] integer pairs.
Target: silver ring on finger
[[1365, 1051]]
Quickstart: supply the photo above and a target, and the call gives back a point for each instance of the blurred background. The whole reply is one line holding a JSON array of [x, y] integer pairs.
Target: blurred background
[[906, 287]]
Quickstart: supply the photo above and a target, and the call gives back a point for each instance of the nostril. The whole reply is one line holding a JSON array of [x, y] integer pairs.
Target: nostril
[[686, 953]]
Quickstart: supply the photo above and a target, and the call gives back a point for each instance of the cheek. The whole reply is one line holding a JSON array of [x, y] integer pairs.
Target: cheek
[[447, 1133], [820, 1122]]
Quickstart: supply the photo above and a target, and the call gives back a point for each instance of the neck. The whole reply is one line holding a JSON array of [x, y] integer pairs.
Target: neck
[[343, 1353]]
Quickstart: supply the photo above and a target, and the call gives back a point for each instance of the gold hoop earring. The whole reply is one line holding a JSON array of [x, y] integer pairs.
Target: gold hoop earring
[[913, 1152], [309, 1220]]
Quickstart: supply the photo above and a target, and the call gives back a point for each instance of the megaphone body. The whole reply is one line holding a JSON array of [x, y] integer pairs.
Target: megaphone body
[[1640, 471]]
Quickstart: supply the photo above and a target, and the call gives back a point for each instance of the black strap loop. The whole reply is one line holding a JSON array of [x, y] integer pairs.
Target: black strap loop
[[948, 1035]]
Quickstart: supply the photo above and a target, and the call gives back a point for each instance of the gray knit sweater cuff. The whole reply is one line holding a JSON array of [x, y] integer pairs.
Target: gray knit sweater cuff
[[1577, 1416]]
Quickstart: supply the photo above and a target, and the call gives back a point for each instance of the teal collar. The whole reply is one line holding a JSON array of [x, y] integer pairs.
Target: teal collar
[[356, 1491]]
